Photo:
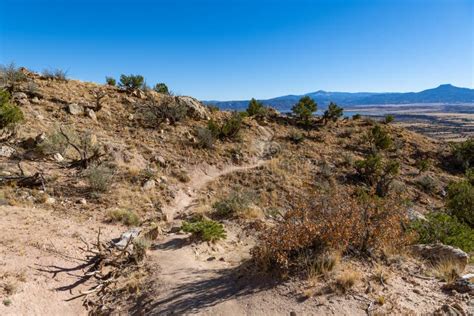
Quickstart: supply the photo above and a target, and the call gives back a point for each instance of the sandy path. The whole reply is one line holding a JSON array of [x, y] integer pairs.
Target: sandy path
[[188, 272]]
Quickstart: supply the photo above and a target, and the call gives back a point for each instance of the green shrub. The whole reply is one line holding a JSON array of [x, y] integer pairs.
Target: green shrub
[[204, 230], [256, 108], [55, 142], [229, 128], [423, 165], [161, 88], [99, 178], [379, 138], [389, 118], [213, 108], [296, 137], [131, 82], [304, 108], [205, 137], [333, 113], [57, 74], [111, 81], [427, 184], [376, 172], [463, 154], [356, 116], [125, 217], [460, 200], [441, 227], [4, 97], [10, 114], [232, 205]]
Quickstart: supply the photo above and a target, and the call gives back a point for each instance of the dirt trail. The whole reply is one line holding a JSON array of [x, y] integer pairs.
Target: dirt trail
[[187, 270], [200, 177]]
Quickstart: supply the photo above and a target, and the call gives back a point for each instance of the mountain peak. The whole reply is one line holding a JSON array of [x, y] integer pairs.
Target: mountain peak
[[446, 86]]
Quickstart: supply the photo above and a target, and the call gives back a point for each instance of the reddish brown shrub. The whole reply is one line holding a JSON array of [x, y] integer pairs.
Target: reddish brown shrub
[[338, 222]]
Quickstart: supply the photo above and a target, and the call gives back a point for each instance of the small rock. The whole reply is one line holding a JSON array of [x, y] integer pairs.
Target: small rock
[[75, 109], [50, 200], [20, 98], [125, 237], [35, 100], [131, 117], [82, 201], [161, 161], [461, 285], [128, 100], [58, 157], [91, 114], [6, 151], [40, 138], [149, 185], [163, 179]]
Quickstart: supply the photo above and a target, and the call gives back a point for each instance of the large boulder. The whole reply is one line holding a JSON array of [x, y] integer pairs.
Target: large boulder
[[195, 108], [436, 253]]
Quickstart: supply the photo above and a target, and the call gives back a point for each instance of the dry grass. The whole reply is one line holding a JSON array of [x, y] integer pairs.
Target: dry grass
[[320, 265], [125, 217], [346, 280], [447, 271], [381, 275]]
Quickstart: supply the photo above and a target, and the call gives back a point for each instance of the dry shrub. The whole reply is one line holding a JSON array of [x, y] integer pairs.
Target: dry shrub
[[446, 270], [337, 221]]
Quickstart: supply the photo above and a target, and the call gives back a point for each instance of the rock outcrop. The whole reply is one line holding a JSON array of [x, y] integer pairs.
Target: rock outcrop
[[436, 253], [195, 108]]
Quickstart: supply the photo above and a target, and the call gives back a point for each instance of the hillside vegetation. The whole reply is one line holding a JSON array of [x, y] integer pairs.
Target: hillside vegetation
[[248, 212]]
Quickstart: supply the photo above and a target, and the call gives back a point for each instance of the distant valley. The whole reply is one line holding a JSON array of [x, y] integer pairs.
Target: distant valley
[[443, 94]]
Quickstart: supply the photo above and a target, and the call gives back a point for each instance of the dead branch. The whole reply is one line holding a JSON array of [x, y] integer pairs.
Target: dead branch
[[36, 180]]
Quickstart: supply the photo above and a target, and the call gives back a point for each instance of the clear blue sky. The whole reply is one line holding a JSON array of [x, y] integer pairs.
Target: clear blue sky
[[237, 49]]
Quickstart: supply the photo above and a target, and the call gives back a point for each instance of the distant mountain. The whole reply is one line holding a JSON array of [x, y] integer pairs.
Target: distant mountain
[[445, 93]]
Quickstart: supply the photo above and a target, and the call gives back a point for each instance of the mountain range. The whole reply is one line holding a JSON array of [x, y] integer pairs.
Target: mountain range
[[445, 93]]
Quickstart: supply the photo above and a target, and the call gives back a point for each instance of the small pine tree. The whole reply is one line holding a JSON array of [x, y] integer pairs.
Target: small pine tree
[[255, 108], [161, 88], [333, 113], [110, 81], [379, 138], [131, 82], [304, 108]]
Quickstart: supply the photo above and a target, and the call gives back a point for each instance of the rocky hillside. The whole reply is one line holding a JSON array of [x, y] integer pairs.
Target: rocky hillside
[[127, 201]]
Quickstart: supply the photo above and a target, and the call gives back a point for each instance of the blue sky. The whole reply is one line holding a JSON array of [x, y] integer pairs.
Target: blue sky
[[237, 49]]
